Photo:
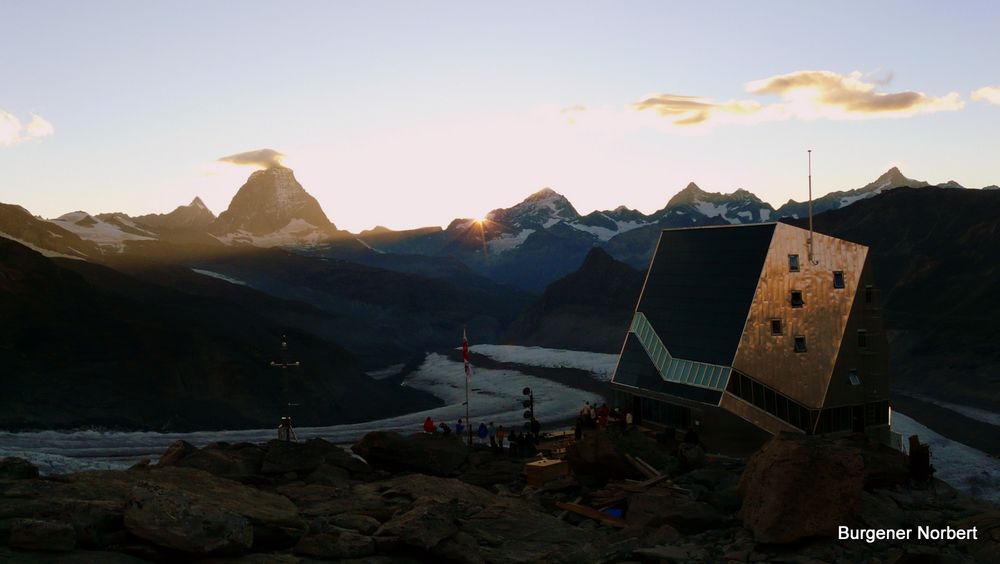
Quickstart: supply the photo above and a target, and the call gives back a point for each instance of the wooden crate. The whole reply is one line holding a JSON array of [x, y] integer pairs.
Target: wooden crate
[[542, 471]]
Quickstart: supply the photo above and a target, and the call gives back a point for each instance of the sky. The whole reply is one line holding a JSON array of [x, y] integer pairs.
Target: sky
[[408, 114]]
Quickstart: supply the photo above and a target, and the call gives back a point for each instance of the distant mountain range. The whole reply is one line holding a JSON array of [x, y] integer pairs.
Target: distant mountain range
[[537, 273]]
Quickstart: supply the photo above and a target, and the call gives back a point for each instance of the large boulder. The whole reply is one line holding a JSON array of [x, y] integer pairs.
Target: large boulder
[[799, 486], [436, 455], [183, 521], [594, 460], [14, 468], [241, 462]]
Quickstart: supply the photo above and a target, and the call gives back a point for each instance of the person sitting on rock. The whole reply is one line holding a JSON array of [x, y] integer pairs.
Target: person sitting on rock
[[445, 429], [429, 425]]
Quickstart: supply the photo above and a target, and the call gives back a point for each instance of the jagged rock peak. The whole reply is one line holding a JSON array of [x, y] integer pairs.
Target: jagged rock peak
[[269, 200]]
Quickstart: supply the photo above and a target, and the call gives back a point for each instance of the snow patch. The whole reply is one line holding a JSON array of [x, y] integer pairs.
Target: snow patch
[[101, 232], [219, 276], [961, 466], [601, 365], [508, 241], [297, 232], [495, 395], [765, 214], [708, 209], [605, 234], [44, 252]]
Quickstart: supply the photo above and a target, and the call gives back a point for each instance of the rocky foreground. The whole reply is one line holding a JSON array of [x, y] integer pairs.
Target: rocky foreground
[[426, 498]]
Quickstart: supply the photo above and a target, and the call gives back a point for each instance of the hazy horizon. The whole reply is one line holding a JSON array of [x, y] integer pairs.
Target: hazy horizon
[[407, 116]]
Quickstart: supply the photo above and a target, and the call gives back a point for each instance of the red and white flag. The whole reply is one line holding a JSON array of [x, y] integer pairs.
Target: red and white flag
[[465, 356]]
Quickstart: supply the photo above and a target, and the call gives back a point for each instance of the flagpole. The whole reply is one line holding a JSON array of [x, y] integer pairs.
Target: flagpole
[[465, 359]]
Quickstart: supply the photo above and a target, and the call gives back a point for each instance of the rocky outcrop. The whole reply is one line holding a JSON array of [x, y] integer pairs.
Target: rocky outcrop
[[429, 454], [313, 461], [797, 487], [280, 514], [13, 468]]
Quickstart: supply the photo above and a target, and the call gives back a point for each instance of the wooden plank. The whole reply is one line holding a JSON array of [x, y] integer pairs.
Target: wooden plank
[[648, 466], [642, 469], [591, 513], [564, 512]]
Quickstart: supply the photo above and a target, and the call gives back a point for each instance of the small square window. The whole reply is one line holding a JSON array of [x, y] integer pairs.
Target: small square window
[[793, 263], [797, 298], [800, 344], [838, 279], [862, 339], [775, 326], [853, 376]]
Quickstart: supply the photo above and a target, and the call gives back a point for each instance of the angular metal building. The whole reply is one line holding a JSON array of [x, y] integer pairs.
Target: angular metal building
[[743, 332]]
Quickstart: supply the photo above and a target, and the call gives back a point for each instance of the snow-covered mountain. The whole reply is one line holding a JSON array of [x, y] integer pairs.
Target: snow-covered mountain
[[740, 206], [889, 180], [109, 231]]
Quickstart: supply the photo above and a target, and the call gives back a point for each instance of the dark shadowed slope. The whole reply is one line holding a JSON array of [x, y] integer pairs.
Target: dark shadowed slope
[[937, 261], [589, 309], [86, 345]]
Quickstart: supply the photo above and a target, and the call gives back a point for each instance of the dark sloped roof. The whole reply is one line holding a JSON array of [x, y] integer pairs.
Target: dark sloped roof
[[637, 370], [700, 286]]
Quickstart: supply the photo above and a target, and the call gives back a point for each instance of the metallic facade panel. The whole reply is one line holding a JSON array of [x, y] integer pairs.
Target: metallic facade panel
[[669, 368], [771, 359]]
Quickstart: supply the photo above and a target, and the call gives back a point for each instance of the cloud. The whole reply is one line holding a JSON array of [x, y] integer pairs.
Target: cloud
[[850, 94], [803, 95], [692, 110], [571, 111], [989, 94], [13, 132], [262, 158]]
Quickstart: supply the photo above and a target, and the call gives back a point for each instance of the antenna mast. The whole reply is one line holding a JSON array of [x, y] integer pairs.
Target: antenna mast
[[285, 431], [810, 153]]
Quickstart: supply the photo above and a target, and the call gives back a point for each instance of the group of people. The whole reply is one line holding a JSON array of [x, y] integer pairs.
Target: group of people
[[591, 417], [496, 438]]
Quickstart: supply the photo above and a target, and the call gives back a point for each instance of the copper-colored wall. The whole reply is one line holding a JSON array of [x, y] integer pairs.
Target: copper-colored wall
[[871, 363], [772, 360]]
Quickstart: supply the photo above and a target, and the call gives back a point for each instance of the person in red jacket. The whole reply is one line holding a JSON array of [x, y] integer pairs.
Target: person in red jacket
[[429, 426]]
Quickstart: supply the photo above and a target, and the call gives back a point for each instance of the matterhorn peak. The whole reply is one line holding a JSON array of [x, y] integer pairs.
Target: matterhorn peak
[[269, 201]]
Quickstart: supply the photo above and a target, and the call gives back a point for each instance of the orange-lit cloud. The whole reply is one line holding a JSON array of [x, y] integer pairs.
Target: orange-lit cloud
[[850, 94], [989, 94], [261, 158], [803, 95], [13, 132], [692, 110]]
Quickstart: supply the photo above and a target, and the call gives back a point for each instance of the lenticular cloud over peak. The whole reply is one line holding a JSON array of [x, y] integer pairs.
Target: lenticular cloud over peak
[[262, 158]]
